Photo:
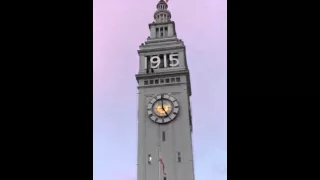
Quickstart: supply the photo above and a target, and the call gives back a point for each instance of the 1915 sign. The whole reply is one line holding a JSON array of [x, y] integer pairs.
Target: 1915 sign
[[161, 61]]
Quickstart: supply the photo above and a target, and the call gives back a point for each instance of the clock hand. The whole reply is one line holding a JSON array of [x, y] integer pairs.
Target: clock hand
[[164, 110], [163, 107], [161, 102]]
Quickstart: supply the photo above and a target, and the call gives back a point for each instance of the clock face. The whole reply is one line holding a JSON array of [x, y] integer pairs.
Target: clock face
[[163, 108]]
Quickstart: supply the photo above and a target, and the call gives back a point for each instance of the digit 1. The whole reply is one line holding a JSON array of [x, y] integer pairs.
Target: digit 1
[[145, 63], [165, 60]]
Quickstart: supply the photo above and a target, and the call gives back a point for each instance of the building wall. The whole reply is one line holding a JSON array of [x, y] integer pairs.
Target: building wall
[[178, 136]]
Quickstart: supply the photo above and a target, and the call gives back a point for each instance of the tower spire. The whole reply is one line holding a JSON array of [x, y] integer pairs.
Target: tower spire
[[162, 14]]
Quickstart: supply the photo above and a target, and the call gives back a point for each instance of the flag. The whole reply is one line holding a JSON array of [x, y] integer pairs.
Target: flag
[[161, 161]]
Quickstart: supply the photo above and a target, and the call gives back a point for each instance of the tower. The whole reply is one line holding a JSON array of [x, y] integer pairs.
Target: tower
[[164, 114]]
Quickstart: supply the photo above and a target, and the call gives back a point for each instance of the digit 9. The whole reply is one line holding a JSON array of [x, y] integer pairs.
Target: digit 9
[[155, 62]]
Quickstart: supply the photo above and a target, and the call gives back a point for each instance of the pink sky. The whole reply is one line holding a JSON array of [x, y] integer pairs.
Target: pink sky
[[119, 28]]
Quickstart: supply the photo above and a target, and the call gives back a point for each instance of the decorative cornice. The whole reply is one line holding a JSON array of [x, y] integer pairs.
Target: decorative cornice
[[159, 85], [161, 49], [162, 23], [163, 40], [169, 73]]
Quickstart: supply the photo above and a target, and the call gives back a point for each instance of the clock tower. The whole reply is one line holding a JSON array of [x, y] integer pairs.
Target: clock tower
[[164, 114]]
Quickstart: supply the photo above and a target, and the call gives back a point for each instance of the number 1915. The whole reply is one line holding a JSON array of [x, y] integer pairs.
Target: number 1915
[[155, 61]]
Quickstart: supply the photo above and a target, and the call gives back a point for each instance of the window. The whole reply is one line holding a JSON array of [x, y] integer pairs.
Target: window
[[173, 79], [156, 81], [178, 79], [161, 32], [179, 157], [151, 81], [146, 82], [149, 158], [161, 80], [167, 80], [163, 136]]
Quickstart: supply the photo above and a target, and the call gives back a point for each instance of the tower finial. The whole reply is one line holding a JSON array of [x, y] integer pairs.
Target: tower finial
[[162, 14], [162, 4]]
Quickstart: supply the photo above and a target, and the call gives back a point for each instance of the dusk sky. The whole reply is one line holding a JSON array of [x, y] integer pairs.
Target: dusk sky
[[119, 27]]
